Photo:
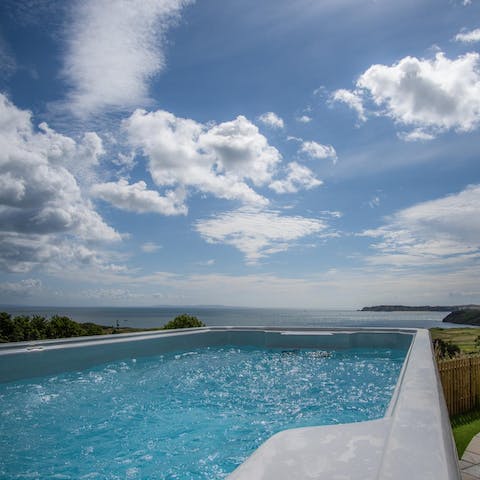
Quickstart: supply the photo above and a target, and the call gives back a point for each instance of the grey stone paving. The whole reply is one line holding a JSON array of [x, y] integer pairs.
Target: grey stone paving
[[470, 462]]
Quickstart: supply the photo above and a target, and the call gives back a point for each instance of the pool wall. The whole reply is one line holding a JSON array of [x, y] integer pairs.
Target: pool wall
[[413, 441]]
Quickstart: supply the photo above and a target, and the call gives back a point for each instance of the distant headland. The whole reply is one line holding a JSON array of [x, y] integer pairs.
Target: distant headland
[[422, 308], [469, 316]]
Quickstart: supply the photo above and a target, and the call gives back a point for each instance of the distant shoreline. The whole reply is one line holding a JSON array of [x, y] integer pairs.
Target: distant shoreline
[[422, 308]]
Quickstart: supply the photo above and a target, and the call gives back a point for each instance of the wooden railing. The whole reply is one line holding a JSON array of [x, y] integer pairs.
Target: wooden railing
[[461, 383]]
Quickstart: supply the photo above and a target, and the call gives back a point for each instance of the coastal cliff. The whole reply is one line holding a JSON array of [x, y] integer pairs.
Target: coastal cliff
[[466, 317]]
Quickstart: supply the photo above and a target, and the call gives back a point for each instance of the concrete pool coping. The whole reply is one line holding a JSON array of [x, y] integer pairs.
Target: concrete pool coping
[[413, 440]]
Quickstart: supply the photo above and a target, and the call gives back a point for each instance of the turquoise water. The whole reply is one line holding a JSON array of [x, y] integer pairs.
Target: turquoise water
[[191, 415]]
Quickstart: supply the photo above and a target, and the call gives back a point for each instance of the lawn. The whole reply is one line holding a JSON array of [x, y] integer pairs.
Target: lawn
[[464, 428], [463, 337]]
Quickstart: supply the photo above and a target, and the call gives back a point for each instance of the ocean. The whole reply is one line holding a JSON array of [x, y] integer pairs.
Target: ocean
[[148, 317]]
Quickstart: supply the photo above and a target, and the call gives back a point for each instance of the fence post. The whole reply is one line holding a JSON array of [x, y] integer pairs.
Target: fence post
[[472, 400]]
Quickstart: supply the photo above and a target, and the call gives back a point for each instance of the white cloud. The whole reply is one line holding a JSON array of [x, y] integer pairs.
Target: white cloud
[[150, 247], [333, 288], [22, 288], [352, 100], [468, 37], [320, 91], [207, 263], [8, 65], [304, 119], [416, 135], [430, 95], [110, 294], [257, 234], [438, 232], [332, 213], [374, 202], [272, 120], [137, 198], [115, 47], [298, 177], [126, 161], [41, 198], [317, 150], [23, 252], [214, 159], [239, 149]]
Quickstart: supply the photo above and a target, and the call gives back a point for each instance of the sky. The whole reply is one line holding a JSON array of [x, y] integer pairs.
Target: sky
[[307, 154]]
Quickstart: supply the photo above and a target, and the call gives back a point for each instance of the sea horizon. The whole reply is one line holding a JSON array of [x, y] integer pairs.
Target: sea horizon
[[223, 315]]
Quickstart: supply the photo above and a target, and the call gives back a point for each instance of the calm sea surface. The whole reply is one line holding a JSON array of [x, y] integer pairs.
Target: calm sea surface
[[215, 316]]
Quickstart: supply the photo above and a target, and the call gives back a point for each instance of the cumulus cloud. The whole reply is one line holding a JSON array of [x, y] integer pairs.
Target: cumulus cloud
[[437, 232], [257, 234], [214, 159], [114, 49], [298, 177], [317, 150], [430, 95], [468, 37], [352, 100], [137, 198], [41, 200], [272, 120]]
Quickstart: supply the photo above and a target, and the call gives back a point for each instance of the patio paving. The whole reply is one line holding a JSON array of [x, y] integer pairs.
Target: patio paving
[[470, 462]]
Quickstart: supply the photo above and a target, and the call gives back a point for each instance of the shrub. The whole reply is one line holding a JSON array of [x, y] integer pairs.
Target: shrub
[[184, 321], [444, 349], [91, 329]]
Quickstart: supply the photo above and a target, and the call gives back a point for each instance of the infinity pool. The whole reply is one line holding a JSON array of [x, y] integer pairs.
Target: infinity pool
[[193, 414]]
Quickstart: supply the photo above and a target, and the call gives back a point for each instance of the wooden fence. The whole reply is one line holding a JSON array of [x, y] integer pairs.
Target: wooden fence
[[461, 383]]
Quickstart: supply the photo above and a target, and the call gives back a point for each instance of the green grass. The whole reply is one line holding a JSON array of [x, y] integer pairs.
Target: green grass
[[465, 427], [463, 337]]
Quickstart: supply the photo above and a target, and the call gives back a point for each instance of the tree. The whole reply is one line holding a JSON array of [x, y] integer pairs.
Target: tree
[[26, 328], [63, 327], [7, 326], [184, 321], [39, 327]]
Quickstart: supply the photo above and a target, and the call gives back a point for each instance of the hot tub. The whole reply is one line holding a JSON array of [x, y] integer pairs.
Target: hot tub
[[411, 440]]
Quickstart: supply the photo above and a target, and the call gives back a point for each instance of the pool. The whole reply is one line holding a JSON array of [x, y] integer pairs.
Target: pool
[[197, 404]]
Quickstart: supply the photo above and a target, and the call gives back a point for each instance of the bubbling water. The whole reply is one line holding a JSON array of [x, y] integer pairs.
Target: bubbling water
[[187, 415]]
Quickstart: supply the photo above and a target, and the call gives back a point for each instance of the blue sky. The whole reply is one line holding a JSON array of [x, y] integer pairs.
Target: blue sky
[[312, 154]]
